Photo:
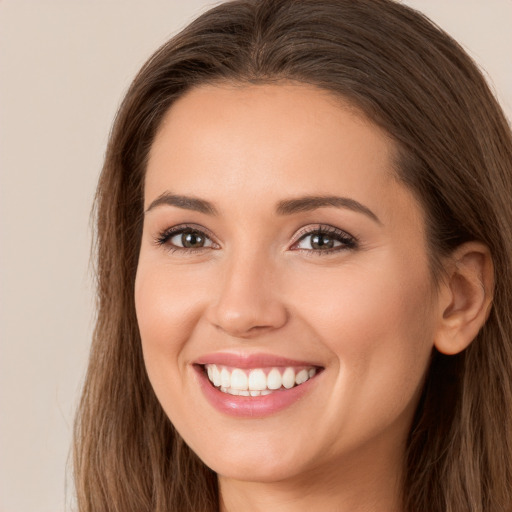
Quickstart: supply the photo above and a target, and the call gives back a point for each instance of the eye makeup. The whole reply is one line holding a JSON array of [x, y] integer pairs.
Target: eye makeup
[[320, 239]]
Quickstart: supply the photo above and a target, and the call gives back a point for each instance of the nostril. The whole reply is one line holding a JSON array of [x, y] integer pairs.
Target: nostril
[[247, 305]]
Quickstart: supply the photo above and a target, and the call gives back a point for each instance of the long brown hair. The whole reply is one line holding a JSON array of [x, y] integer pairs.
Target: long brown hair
[[455, 154]]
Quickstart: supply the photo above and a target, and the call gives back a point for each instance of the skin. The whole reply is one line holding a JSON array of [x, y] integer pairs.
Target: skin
[[368, 314]]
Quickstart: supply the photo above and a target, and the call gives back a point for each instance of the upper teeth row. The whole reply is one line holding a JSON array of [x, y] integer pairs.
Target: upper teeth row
[[256, 379]]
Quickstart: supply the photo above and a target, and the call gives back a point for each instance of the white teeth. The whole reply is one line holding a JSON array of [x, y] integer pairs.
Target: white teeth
[[225, 378], [274, 380], [301, 377], [216, 375], [289, 378], [239, 382], [257, 380]]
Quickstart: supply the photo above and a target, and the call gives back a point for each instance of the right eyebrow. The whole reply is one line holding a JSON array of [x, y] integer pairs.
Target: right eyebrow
[[185, 202]]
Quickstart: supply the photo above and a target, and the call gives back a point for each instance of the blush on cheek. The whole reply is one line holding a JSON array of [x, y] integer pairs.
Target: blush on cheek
[[160, 307], [378, 322]]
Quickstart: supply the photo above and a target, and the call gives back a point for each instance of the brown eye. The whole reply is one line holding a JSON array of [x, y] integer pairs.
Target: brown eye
[[192, 239], [320, 241], [183, 239], [328, 239]]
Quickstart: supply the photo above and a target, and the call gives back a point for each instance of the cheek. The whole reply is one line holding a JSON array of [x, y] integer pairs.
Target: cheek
[[377, 322], [365, 301], [166, 311]]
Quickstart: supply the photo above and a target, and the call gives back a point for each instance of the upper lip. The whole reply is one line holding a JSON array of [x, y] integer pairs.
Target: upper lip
[[258, 360]]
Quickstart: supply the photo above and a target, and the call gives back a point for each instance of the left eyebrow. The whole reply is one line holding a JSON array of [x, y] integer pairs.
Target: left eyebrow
[[308, 203]]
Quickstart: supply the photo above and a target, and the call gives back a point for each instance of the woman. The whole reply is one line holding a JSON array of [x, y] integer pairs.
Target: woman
[[304, 272]]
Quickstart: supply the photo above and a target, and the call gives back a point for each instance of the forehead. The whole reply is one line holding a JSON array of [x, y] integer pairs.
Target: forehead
[[270, 141], [260, 118]]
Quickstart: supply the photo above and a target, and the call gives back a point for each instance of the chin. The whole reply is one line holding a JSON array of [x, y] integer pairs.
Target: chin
[[267, 471], [261, 463]]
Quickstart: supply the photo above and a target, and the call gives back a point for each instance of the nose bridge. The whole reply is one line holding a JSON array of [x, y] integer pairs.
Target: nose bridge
[[248, 300]]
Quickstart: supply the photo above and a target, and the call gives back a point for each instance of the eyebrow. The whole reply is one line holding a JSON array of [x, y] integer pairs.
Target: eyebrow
[[286, 207], [185, 202], [308, 203]]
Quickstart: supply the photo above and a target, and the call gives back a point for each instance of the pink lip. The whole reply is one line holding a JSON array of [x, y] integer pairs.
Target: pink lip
[[249, 360], [246, 406]]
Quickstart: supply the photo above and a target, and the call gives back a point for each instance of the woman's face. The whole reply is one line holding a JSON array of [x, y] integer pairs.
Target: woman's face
[[279, 251]]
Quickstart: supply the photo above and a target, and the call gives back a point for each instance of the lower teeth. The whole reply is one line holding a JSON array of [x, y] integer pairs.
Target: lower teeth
[[236, 392]]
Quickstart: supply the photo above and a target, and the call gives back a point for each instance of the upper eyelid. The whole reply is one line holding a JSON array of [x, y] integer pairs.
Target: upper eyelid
[[321, 228], [184, 227]]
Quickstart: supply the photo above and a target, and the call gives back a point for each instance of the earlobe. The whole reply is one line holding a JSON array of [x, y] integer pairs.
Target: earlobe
[[465, 298]]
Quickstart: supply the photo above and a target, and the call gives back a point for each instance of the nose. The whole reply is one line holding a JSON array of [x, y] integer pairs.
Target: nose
[[249, 300]]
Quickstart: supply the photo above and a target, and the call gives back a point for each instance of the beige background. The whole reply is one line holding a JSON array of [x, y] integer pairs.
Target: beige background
[[64, 65]]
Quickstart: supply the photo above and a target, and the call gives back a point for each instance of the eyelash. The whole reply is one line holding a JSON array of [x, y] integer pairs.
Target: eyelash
[[164, 237], [346, 240]]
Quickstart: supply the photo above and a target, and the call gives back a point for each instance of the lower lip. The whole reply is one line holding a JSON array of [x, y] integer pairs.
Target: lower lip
[[255, 406]]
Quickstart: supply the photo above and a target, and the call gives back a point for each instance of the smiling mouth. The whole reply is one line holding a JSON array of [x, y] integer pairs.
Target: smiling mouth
[[257, 381]]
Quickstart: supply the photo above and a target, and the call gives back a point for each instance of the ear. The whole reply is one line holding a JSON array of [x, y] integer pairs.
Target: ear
[[465, 298]]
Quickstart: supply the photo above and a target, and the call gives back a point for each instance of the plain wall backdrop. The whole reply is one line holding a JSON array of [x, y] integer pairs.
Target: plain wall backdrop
[[64, 66]]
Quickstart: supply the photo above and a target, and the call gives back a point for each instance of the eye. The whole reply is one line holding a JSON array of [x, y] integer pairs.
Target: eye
[[190, 240], [326, 239], [185, 238]]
